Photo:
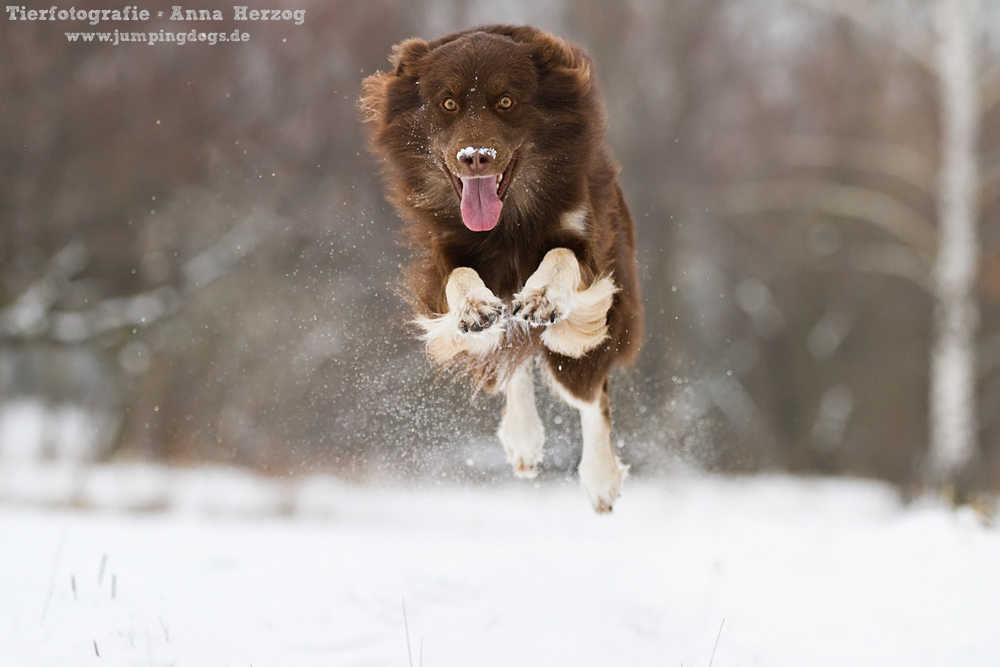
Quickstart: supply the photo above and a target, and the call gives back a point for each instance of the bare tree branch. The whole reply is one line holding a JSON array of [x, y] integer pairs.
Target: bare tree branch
[[218, 260], [890, 259], [34, 316], [139, 310], [28, 316], [849, 201], [880, 157], [914, 42], [720, 386]]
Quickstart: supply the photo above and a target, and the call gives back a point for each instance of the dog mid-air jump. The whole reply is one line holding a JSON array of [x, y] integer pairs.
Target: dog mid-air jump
[[492, 143]]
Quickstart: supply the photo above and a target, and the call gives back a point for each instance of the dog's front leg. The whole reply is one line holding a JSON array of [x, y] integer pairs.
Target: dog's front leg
[[575, 316], [471, 323]]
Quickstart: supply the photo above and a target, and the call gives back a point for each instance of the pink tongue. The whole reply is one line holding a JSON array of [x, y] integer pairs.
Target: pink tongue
[[480, 204]]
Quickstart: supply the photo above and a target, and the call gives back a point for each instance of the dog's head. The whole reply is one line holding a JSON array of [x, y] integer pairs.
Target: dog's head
[[476, 121]]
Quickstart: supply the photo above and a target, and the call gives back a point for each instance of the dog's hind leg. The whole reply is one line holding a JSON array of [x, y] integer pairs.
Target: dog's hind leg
[[521, 430], [601, 473]]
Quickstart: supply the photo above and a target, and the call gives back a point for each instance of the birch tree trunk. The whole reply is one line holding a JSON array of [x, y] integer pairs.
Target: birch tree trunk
[[953, 422]]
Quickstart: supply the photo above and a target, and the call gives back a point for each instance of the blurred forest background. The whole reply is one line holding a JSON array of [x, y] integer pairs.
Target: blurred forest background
[[197, 262]]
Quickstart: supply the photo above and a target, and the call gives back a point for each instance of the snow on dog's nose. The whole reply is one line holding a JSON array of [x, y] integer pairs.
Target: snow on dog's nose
[[477, 160]]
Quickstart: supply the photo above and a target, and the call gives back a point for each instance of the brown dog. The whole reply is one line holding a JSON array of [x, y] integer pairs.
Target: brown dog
[[492, 143]]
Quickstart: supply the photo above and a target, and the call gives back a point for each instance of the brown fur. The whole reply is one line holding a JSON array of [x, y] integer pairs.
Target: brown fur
[[561, 168]]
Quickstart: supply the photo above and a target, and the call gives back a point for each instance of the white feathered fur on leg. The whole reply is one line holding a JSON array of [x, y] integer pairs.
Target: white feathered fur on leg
[[575, 316], [472, 324]]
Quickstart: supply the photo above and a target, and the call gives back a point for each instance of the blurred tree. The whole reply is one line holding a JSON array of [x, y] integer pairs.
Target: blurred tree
[[951, 50], [198, 236]]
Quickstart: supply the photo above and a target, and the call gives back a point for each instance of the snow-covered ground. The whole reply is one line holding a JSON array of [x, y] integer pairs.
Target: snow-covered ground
[[139, 566]]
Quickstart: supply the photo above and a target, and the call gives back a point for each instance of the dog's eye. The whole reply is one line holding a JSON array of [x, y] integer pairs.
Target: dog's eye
[[450, 104], [505, 102]]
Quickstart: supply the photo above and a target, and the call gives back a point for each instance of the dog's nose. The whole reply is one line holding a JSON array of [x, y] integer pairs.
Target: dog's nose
[[478, 160]]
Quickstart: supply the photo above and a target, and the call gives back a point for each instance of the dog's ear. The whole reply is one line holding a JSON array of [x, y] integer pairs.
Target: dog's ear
[[561, 62], [565, 79], [383, 95], [405, 54]]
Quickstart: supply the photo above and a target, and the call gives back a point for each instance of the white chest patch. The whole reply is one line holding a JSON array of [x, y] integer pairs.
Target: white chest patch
[[576, 220]]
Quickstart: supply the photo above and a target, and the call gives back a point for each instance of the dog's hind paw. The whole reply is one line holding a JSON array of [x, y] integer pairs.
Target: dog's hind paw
[[603, 507], [524, 470], [524, 451], [602, 484]]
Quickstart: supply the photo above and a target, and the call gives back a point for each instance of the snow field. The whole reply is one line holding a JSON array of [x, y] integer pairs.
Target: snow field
[[224, 568]]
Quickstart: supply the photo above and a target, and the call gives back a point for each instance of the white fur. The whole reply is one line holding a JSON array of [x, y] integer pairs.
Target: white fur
[[444, 339], [581, 312], [576, 220], [521, 431], [601, 473], [585, 326], [467, 296]]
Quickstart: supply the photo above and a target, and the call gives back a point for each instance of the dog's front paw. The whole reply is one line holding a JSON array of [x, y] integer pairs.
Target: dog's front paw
[[478, 314], [541, 306]]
